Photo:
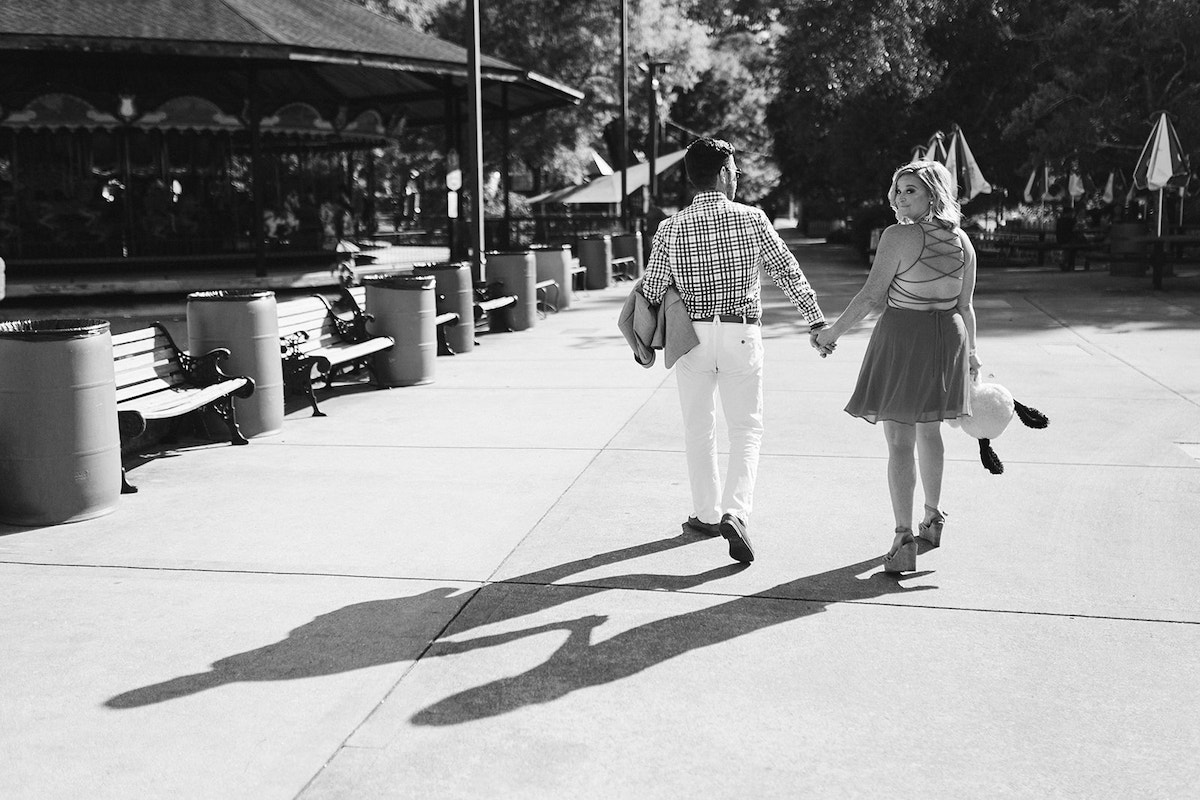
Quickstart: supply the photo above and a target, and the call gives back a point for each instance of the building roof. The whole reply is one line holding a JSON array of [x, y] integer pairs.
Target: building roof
[[329, 49]]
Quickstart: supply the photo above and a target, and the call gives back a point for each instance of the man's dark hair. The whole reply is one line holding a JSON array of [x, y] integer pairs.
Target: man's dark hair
[[704, 160]]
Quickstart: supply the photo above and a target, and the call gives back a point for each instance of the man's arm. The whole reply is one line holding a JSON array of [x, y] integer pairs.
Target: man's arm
[[783, 268], [658, 268]]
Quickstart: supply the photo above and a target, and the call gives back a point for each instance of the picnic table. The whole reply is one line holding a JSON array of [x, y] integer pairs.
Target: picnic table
[[1158, 245], [1040, 243]]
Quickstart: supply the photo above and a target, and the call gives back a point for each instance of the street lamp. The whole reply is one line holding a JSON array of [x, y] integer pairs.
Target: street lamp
[[624, 141], [652, 67]]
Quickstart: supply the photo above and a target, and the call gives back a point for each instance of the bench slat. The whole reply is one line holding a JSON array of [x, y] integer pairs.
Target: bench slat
[[176, 401], [344, 353]]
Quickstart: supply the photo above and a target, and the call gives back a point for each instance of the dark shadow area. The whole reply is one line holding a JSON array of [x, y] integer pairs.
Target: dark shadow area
[[579, 663], [400, 629], [387, 631]]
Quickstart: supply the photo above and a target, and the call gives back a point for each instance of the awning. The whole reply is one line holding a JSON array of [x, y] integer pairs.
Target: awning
[[607, 188], [330, 54]]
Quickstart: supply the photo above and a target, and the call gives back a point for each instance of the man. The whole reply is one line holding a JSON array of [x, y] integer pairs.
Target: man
[[712, 252]]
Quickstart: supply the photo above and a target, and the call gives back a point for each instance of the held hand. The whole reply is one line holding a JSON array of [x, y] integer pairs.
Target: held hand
[[822, 342]]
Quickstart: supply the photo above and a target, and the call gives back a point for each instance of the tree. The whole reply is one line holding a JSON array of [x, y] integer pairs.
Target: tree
[[1104, 69], [865, 81], [730, 101], [846, 66]]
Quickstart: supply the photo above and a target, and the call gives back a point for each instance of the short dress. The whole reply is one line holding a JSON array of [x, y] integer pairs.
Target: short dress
[[916, 367]]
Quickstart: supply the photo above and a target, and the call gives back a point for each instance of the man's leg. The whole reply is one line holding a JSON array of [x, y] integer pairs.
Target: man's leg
[[696, 377], [740, 378]]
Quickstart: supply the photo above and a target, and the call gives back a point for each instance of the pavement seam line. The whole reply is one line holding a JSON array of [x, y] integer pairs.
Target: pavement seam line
[[483, 584], [836, 601], [582, 471], [1111, 354], [391, 690], [281, 573]]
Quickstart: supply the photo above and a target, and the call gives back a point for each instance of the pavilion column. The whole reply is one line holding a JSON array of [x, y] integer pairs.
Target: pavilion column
[[506, 168], [16, 188], [453, 145], [256, 178], [475, 138], [127, 243], [369, 200]]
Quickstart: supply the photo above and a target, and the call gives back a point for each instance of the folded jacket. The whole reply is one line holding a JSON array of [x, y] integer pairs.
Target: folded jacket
[[646, 328]]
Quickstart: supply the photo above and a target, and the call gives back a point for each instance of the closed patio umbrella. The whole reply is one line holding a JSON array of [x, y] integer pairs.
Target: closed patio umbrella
[[935, 149], [960, 161], [1115, 189], [1161, 163], [1037, 188]]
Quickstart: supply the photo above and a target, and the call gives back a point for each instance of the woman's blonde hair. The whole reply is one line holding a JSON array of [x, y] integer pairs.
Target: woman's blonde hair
[[943, 205]]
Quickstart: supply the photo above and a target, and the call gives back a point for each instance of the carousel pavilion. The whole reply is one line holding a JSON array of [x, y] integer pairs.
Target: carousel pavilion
[[240, 132]]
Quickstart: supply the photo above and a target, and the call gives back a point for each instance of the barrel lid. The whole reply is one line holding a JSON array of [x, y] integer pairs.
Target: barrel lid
[[441, 266], [42, 330], [592, 236], [215, 295], [417, 282], [506, 252], [549, 247]]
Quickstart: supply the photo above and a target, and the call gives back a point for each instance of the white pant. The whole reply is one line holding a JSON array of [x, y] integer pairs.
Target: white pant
[[728, 358]]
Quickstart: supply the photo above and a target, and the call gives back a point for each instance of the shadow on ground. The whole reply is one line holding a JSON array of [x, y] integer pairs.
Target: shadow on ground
[[381, 632]]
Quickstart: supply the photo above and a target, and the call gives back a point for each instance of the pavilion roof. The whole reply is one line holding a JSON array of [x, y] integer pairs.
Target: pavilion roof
[[331, 49]]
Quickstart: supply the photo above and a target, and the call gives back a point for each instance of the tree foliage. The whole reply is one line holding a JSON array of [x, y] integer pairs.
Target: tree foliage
[[864, 81], [1105, 69], [827, 97]]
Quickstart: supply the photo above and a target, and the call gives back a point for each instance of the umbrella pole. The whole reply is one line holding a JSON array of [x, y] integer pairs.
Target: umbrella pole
[[1159, 256]]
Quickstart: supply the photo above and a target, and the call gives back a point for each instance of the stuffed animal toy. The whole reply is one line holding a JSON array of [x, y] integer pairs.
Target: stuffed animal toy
[[992, 408]]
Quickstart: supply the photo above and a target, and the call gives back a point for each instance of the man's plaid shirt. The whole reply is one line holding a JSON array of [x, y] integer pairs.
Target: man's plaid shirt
[[712, 251]]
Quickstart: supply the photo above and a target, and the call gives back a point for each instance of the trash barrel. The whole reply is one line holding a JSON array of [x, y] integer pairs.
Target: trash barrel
[[403, 308], [1122, 238], [452, 283], [516, 269], [60, 447], [595, 253], [246, 322], [553, 262], [629, 244]]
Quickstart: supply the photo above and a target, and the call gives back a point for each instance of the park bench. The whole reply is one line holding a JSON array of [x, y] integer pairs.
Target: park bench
[[493, 308], [624, 268], [543, 288], [156, 380], [578, 275], [313, 338], [355, 299]]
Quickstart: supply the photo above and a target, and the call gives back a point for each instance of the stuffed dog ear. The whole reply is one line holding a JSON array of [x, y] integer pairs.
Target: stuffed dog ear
[[1030, 416], [989, 458]]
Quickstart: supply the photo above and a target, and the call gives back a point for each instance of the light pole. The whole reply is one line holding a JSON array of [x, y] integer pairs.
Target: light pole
[[652, 68], [624, 143]]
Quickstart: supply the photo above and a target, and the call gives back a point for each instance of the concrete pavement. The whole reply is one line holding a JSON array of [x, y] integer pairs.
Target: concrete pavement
[[479, 587]]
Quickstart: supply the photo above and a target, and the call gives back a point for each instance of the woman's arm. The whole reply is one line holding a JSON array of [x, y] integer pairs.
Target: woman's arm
[[966, 304], [894, 244]]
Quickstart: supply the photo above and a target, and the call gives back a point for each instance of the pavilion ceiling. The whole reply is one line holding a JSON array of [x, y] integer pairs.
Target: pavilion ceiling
[[359, 74]]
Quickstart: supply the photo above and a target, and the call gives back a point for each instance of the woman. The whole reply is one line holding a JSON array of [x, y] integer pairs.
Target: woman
[[921, 356]]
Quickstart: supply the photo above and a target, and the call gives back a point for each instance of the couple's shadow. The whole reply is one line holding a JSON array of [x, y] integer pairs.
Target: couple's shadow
[[400, 629]]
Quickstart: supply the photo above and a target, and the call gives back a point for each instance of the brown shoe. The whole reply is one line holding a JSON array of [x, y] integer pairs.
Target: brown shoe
[[694, 525], [734, 531]]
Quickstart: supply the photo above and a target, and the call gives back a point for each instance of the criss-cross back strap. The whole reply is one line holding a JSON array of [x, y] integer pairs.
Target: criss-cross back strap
[[942, 260]]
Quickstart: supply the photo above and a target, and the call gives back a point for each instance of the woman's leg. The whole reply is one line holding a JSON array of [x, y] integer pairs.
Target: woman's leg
[[902, 478], [931, 454]]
